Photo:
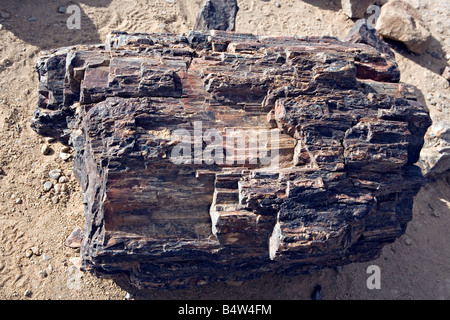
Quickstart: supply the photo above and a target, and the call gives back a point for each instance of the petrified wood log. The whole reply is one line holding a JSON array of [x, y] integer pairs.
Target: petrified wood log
[[169, 198]]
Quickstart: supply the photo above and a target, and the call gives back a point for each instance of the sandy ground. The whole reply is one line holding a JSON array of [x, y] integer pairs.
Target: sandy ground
[[414, 267]]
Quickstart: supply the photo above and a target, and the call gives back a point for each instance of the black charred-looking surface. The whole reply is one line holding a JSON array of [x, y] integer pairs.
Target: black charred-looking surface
[[347, 135], [217, 15]]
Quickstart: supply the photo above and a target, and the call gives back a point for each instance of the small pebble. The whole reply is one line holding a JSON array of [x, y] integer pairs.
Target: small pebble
[[55, 174], [63, 179], [75, 238], [64, 188], [32, 19], [47, 186], [55, 199], [58, 188], [45, 150], [317, 293], [446, 73], [65, 149], [64, 156], [61, 188], [62, 9], [36, 251], [18, 201], [27, 293], [128, 296], [43, 273], [277, 4], [408, 241], [28, 253]]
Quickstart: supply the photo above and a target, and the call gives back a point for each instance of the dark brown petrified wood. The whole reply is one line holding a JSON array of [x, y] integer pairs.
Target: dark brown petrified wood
[[342, 132]]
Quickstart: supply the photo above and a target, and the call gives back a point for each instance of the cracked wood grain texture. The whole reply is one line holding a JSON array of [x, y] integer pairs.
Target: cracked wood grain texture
[[349, 135]]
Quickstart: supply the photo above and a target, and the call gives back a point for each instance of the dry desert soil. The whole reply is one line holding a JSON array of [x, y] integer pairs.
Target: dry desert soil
[[34, 262]]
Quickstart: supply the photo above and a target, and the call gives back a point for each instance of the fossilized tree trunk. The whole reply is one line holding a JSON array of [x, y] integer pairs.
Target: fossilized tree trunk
[[343, 136]]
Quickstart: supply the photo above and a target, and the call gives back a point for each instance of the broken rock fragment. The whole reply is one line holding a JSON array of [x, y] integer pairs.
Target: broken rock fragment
[[402, 22], [363, 33], [217, 15], [75, 238]]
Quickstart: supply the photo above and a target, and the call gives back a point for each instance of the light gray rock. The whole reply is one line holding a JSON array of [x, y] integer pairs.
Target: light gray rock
[[60, 188], [28, 253], [47, 186], [45, 150], [446, 73], [55, 174], [64, 156], [63, 179], [402, 22], [435, 154]]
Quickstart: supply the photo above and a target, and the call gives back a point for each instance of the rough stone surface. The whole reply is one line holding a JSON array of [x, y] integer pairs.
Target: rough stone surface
[[362, 33], [54, 174], [402, 22], [446, 73], [435, 156], [346, 132], [217, 15], [47, 186], [356, 8]]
